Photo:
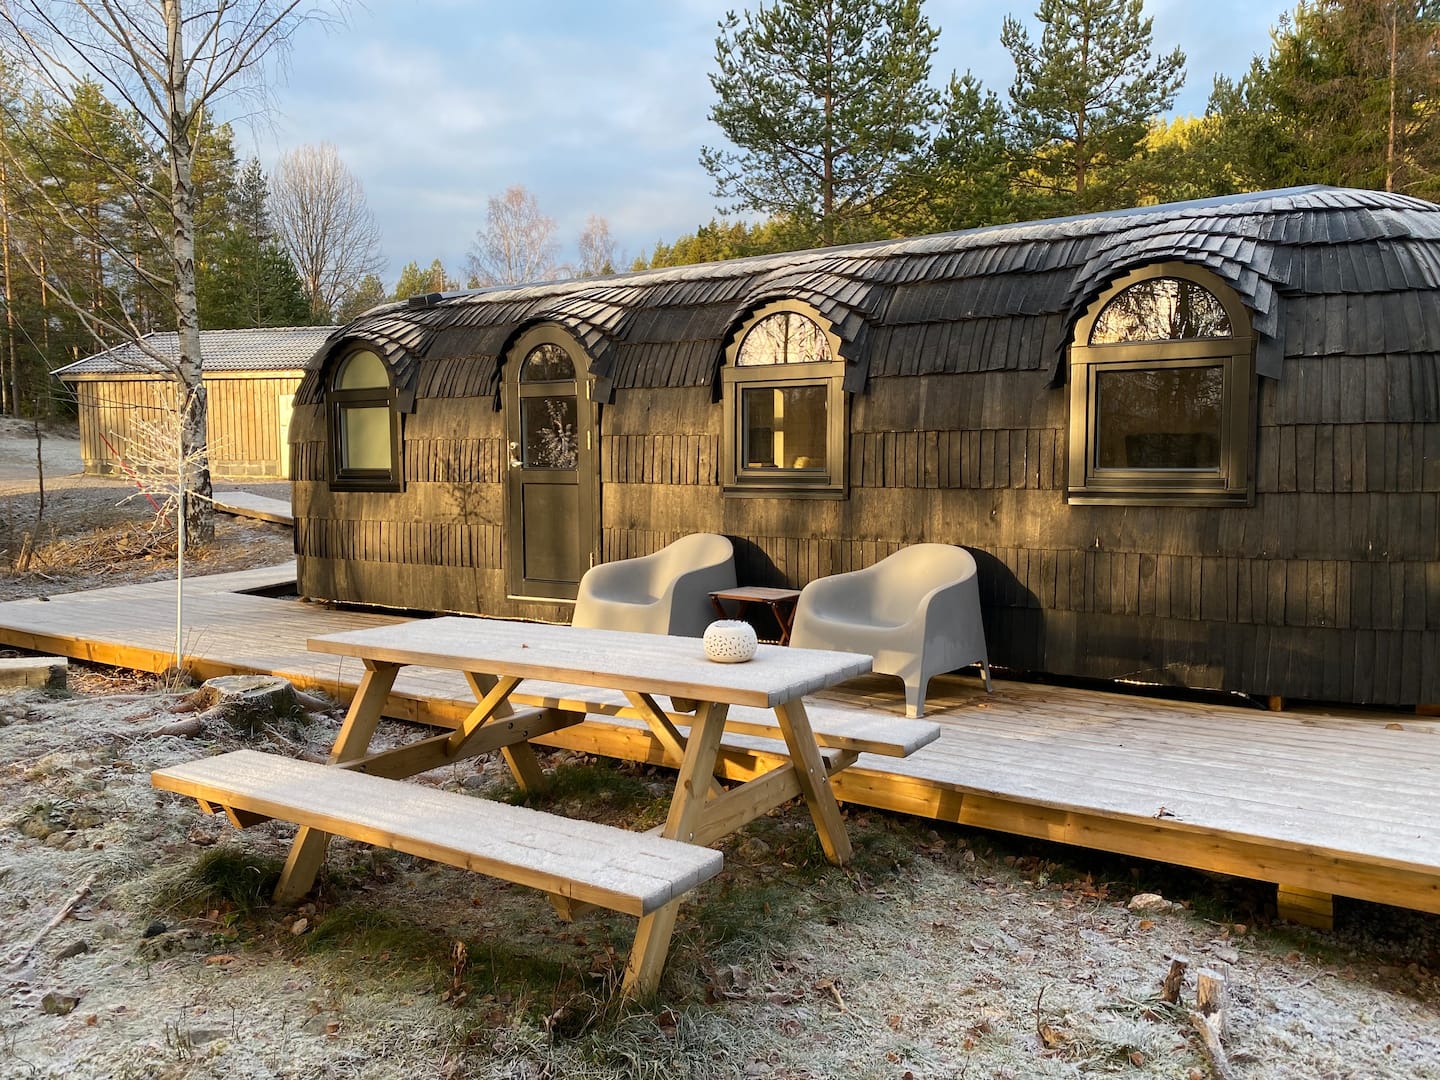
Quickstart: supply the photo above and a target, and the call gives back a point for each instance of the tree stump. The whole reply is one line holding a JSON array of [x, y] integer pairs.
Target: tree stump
[[246, 702]]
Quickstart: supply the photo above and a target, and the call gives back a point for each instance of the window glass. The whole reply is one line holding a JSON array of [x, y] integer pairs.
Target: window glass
[[549, 425], [1159, 418], [362, 370], [1161, 309], [365, 437], [547, 363], [784, 427], [783, 338]]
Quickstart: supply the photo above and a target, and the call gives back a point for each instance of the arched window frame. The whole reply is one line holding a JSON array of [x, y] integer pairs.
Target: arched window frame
[[343, 476], [743, 478], [1231, 482]]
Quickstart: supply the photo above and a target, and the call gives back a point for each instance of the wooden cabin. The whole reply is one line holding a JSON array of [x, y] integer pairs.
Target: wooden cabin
[[1195, 444], [250, 377]]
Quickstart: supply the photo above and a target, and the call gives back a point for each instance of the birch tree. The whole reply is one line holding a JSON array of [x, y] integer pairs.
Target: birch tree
[[166, 64], [516, 245], [597, 249]]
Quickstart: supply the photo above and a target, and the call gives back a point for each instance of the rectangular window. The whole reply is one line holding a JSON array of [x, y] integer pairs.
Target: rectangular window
[[784, 427], [785, 435], [1159, 418], [365, 438]]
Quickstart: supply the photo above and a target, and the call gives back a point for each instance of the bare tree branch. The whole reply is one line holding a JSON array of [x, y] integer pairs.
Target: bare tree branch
[[320, 213]]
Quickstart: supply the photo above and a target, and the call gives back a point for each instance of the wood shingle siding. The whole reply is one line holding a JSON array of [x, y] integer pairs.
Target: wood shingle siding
[[1325, 586]]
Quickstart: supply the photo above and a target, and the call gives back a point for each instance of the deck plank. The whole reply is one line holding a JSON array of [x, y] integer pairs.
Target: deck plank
[[1331, 801]]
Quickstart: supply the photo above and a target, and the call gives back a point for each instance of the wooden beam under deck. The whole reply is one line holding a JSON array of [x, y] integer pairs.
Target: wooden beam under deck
[[1321, 804]]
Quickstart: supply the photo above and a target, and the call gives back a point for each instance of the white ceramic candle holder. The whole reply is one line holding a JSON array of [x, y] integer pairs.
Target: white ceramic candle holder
[[730, 641]]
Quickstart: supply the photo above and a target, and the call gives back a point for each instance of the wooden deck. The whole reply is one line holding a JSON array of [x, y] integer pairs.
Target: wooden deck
[[1321, 804], [260, 507]]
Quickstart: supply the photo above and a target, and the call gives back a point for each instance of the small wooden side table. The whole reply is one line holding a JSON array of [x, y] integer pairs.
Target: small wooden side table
[[781, 603]]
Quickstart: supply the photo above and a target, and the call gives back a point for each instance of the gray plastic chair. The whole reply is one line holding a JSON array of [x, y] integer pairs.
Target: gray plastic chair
[[916, 612], [664, 593]]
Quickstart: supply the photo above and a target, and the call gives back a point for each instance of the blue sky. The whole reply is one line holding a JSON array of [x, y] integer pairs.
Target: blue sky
[[596, 107]]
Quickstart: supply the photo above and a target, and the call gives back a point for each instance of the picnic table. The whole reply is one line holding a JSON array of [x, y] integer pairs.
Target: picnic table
[[575, 673]]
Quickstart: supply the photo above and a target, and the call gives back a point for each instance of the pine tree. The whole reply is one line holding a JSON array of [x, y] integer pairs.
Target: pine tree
[[1084, 96], [971, 179], [1345, 96], [367, 294], [721, 240], [830, 107], [416, 282], [246, 278]]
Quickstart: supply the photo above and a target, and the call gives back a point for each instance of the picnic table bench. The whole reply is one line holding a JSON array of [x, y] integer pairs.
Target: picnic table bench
[[564, 675]]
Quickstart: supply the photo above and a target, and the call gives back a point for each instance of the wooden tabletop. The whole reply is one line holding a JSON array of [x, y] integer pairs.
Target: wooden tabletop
[[762, 593], [614, 659]]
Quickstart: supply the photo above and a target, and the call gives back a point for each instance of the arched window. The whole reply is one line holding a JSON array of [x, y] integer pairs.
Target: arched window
[[1161, 379], [364, 424], [784, 406]]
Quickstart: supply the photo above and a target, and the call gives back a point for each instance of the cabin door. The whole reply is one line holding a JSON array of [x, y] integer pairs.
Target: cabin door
[[284, 407], [551, 533]]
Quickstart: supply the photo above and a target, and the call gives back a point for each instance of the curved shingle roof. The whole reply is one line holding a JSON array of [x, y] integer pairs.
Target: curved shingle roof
[[1322, 270]]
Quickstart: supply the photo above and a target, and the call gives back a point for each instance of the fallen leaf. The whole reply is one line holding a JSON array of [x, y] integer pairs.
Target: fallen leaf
[[1052, 1037]]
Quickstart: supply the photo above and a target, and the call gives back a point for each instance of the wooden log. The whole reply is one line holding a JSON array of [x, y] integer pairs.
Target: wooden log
[[1174, 980], [1208, 1018], [1212, 998], [44, 672]]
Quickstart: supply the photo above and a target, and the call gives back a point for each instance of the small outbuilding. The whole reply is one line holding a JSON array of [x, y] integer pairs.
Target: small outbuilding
[[1195, 444], [250, 377]]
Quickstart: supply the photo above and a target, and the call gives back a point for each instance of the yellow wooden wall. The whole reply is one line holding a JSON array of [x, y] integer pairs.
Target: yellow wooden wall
[[243, 428]]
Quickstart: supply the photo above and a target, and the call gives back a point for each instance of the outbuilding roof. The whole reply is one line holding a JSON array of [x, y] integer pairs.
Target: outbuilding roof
[[270, 348], [1322, 270]]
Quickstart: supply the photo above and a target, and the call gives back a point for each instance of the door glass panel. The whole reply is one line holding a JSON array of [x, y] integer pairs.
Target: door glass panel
[[784, 427], [1158, 418], [547, 363], [548, 435], [365, 437]]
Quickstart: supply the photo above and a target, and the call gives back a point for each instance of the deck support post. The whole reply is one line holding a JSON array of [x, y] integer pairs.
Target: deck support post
[[1306, 906]]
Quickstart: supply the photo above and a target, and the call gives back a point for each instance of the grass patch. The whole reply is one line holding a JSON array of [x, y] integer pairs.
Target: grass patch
[[599, 790], [224, 878], [376, 944]]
